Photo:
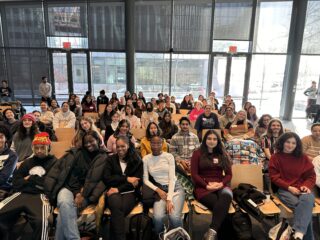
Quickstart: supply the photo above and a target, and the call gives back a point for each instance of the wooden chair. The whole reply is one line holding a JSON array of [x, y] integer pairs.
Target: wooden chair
[[136, 210], [58, 149], [3, 108], [93, 115], [138, 133], [218, 131], [176, 118], [193, 131], [184, 112], [252, 174], [101, 108], [65, 134]]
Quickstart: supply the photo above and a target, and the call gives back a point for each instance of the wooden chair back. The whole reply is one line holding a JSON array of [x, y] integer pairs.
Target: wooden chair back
[[101, 108], [93, 115], [65, 134], [184, 112], [176, 118], [58, 149], [2, 108], [247, 173], [138, 133]]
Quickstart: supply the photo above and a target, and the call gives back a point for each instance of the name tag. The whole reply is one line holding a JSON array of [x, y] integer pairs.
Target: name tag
[[215, 161]]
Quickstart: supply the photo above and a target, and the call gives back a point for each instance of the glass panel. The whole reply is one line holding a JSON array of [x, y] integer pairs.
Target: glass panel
[[152, 25], [79, 73], [219, 75], [312, 28], [238, 68], [26, 67], [1, 37], [25, 25], [192, 25], [108, 72], [189, 74], [308, 71], [107, 27], [272, 17], [266, 80], [67, 19], [76, 42], [223, 46], [60, 73], [232, 19], [2, 65], [152, 73]]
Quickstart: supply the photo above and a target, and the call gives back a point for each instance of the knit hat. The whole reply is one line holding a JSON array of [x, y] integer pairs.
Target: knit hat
[[41, 139], [29, 116]]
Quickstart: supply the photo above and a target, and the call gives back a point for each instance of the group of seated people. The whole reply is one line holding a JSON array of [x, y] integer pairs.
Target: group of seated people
[[107, 160]]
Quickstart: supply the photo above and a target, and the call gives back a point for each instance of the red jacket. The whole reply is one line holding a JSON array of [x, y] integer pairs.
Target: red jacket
[[287, 170], [203, 172]]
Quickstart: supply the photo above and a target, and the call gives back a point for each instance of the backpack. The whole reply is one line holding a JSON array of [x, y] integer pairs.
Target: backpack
[[281, 231], [241, 224], [140, 227], [248, 197]]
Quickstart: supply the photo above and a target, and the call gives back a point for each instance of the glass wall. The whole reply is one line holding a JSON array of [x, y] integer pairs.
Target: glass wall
[[272, 26], [152, 73], [266, 80], [189, 74], [308, 71], [108, 72]]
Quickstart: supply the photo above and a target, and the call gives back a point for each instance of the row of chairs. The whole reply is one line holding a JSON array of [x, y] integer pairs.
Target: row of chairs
[[251, 174]]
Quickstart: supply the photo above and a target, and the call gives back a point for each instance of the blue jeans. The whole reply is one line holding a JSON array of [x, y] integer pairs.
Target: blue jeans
[[67, 227], [160, 210], [302, 206]]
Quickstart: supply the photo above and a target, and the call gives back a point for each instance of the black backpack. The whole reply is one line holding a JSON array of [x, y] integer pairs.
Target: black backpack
[[140, 227], [241, 224]]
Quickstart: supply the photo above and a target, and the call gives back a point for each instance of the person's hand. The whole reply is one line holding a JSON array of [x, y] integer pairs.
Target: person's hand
[[184, 165], [26, 178], [18, 164], [162, 194], [78, 200], [293, 190], [170, 207], [112, 191], [133, 180], [305, 189], [214, 186]]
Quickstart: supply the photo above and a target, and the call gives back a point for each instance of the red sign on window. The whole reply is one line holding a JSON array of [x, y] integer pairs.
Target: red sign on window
[[66, 45], [232, 49]]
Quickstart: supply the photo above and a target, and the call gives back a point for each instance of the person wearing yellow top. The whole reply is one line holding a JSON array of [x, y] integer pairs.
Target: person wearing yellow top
[[145, 145]]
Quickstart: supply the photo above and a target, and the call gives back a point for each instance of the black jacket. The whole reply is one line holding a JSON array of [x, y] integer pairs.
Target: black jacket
[[8, 162], [93, 186], [35, 183], [113, 176]]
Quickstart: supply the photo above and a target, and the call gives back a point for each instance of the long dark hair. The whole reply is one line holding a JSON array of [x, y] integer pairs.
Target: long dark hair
[[254, 116], [224, 159], [260, 122], [117, 131], [279, 146], [22, 131], [148, 134], [132, 157]]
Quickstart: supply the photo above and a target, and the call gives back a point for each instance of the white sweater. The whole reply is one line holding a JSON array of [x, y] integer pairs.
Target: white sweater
[[316, 163], [162, 169], [64, 120]]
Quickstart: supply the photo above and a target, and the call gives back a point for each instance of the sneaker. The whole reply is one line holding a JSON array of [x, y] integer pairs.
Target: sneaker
[[210, 235]]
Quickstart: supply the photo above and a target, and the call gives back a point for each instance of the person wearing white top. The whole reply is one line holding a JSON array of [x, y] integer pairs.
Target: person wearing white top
[[46, 115], [316, 163], [64, 118], [161, 166]]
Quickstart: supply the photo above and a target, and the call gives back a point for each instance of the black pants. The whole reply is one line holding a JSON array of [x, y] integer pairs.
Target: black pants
[[36, 208], [120, 206], [218, 202]]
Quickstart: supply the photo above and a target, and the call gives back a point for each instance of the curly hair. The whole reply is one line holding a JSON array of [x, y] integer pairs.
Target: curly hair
[[279, 146]]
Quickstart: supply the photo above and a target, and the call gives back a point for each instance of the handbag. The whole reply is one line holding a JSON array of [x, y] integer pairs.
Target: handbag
[[282, 231]]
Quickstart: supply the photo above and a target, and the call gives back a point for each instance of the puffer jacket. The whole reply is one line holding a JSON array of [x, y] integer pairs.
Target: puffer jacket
[[93, 186]]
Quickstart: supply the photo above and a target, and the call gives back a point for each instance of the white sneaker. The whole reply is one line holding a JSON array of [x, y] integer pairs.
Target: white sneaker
[[210, 235]]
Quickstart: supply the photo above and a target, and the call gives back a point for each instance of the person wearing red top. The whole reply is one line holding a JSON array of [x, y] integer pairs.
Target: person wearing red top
[[211, 173], [196, 111], [293, 173]]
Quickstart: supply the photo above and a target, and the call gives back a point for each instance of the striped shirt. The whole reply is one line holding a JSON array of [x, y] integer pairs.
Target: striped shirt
[[310, 147]]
